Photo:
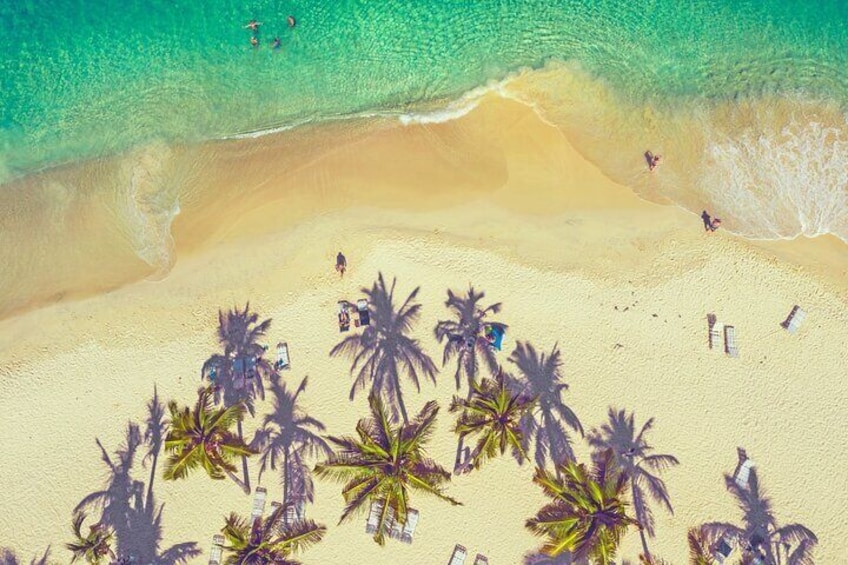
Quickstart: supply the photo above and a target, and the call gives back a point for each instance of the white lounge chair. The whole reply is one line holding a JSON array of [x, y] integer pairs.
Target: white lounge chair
[[259, 497], [481, 560], [295, 512], [730, 341], [743, 473], [794, 319], [217, 550], [409, 526], [282, 363], [458, 555], [373, 517]]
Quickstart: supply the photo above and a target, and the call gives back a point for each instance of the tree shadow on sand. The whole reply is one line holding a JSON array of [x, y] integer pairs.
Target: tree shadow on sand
[[8, 557], [384, 351], [760, 535], [290, 438], [537, 558], [540, 375], [125, 507]]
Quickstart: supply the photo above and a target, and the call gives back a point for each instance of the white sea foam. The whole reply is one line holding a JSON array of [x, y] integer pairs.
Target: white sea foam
[[781, 184], [150, 204]]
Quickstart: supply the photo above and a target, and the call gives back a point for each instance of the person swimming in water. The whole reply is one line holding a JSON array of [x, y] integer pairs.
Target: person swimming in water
[[254, 41], [253, 25], [292, 21], [276, 43]]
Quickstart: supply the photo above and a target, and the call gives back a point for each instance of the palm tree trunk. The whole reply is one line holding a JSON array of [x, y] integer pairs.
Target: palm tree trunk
[[244, 486], [641, 530], [246, 482]]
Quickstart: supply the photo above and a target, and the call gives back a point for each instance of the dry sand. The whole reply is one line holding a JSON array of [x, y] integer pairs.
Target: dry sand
[[499, 200]]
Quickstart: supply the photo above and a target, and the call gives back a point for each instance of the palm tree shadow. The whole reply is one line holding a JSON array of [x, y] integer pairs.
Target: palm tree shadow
[[760, 533], [123, 504], [537, 558], [288, 437], [8, 557], [384, 351], [541, 377]]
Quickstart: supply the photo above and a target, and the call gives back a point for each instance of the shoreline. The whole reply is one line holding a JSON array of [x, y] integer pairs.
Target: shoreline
[[512, 208], [179, 200]]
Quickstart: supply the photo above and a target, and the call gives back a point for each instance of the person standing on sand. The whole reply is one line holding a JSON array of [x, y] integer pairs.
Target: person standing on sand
[[707, 220], [341, 263]]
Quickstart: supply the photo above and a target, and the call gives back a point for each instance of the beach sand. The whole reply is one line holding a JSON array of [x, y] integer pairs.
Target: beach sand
[[499, 200]]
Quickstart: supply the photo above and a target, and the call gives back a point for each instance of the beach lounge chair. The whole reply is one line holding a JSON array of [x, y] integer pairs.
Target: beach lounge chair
[[495, 334], [722, 550], [344, 315], [282, 361], [259, 497], [409, 526], [730, 341], [458, 555], [714, 329], [481, 560], [217, 550], [794, 319], [295, 512], [743, 473], [364, 314], [373, 517]]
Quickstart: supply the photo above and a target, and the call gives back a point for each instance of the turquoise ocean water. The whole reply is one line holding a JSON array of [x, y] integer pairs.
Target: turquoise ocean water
[[82, 79], [747, 100]]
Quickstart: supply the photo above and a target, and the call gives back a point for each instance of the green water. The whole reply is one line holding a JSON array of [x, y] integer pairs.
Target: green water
[[83, 79]]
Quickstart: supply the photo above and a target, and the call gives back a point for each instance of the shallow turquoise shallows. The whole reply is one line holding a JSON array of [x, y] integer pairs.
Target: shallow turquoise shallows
[[83, 78]]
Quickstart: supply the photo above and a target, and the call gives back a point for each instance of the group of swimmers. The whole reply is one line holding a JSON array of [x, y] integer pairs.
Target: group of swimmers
[[253, 26]]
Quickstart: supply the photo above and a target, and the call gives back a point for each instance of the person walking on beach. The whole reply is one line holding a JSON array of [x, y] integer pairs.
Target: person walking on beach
[[707, 220], [341, 263]]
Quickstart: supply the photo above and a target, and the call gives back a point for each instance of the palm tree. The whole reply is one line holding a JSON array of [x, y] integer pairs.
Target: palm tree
[[632, 456], [268, 541], [760, 534], [493, 413], [202, 438], [238, 372], [289, 435], [462, 336], [587, 516], [384, 463], [384, 350], [541, 377], [92, 547], [699, 548]]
